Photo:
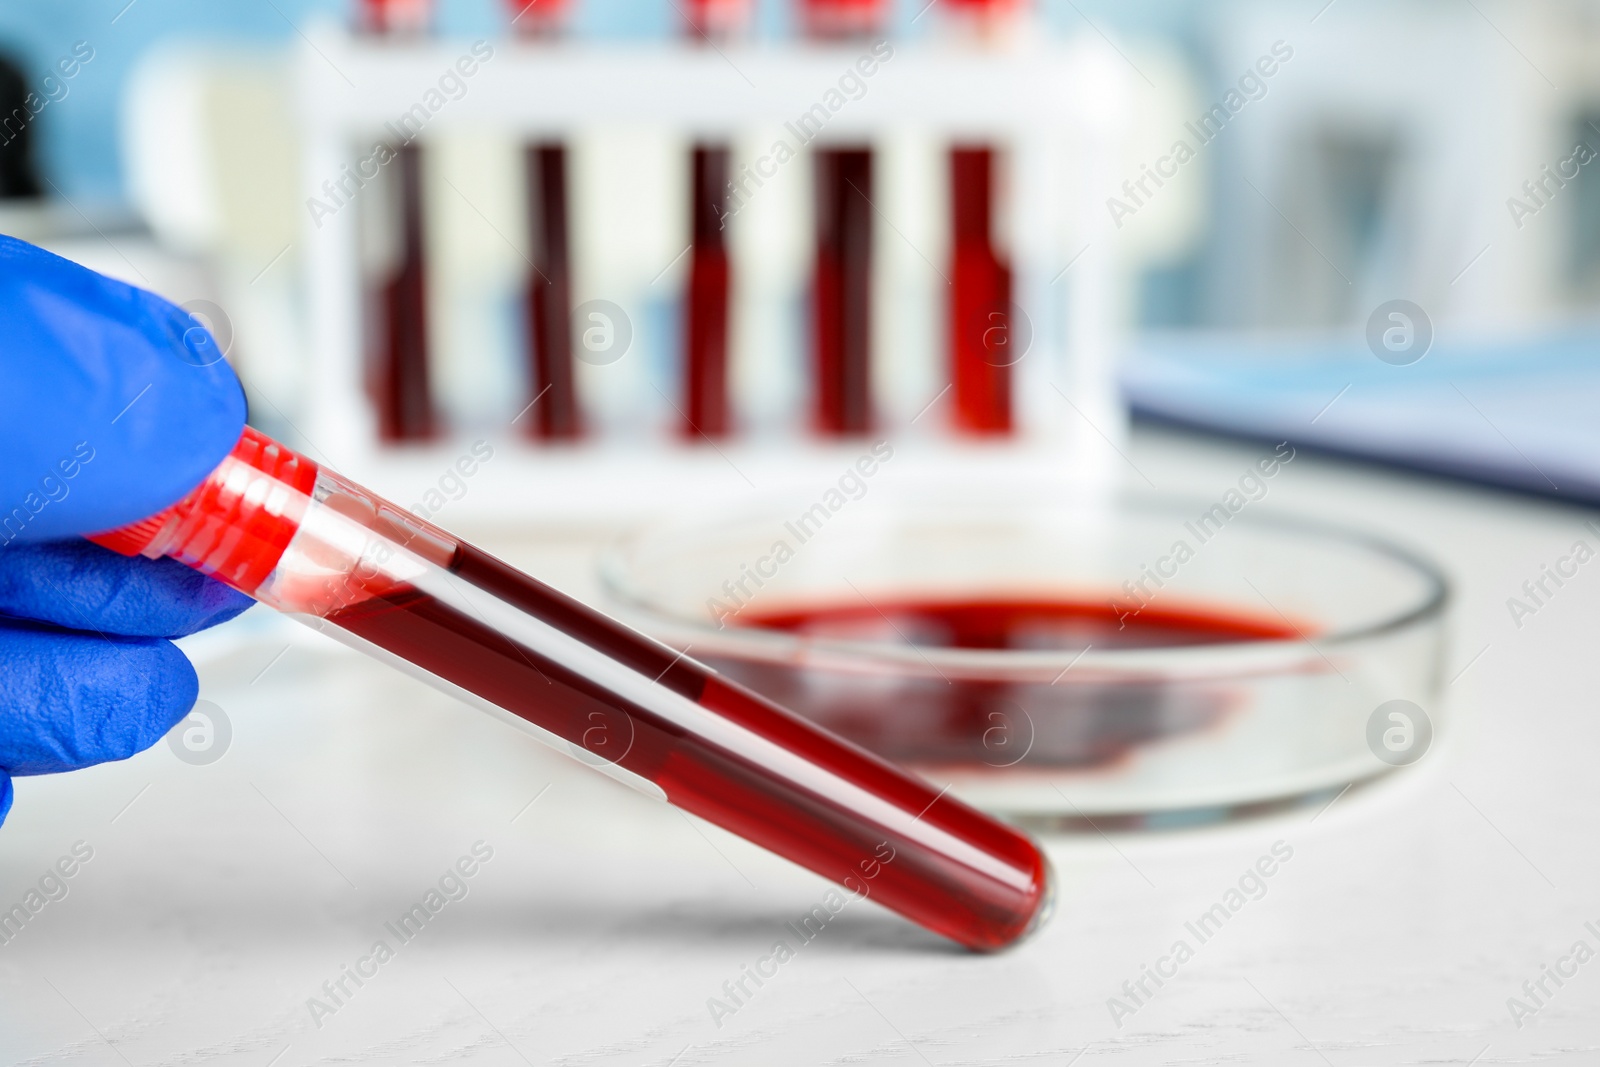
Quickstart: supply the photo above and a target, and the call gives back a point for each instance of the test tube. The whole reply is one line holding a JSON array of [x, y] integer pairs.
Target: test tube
[[705, 362], [979, 327], [307, 542], [19, 174], [842, 291], [706, 327], [398, 361], [842, 280], [552, 378]]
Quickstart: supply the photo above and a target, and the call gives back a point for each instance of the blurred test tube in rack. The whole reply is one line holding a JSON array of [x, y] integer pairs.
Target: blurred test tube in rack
[[706, 303], [983, 341], [842, 293], [552, 383], [398, 354]]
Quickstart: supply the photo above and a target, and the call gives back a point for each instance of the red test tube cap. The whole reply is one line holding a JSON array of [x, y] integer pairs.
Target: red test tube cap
[[718, 18], [537, 18], [396, 16], [234, 525], [842, 18]]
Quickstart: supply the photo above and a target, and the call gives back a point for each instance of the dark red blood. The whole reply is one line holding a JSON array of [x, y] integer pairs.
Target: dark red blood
[[1021, 623], [842, 296], [706, 363], [399, 378], [910, 710], [552, 380], [981, 337]]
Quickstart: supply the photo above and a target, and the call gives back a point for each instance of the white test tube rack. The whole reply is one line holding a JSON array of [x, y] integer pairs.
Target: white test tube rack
[[1058, 108]]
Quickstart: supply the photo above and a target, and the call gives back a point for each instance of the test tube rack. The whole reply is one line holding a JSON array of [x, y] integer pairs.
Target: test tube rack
[[1058, 109]]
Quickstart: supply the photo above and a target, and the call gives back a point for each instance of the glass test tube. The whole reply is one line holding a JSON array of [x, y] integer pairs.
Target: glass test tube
[[842, 291], [398, 355], [842, 280], [705, 364], [979, 310], [305, 541], [980, 298], [706, 311], [552, 378]]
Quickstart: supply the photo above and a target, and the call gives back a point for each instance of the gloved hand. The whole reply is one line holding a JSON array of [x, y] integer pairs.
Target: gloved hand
[[113, 405]]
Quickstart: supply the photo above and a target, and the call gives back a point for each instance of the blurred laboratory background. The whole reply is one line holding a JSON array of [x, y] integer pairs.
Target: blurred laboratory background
[[1113, 207]]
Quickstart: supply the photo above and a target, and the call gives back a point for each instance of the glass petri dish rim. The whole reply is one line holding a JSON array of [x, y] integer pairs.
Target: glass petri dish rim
[[1231, 659]]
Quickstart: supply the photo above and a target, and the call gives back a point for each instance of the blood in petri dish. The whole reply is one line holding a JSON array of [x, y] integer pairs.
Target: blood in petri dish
[[954, 720], [982, 905], [1021, 623]]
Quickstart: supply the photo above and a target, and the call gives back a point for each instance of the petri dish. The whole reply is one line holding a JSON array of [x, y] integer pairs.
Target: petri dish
[[1137, 662]]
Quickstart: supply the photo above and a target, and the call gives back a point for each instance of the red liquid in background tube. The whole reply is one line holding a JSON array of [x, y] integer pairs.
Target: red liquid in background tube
[[980, 299], [981, 909], [554, 395], [706, 334], [398, 362], [400, 384], [842, 293]]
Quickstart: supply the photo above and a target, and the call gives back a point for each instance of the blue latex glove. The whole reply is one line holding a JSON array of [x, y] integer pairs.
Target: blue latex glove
[[113, 405]]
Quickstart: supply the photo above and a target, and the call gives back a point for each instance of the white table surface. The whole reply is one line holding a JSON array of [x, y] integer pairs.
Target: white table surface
[[220, 898]]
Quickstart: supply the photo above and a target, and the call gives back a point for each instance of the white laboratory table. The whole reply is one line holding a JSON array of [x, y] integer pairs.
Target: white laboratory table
[[219, 899]]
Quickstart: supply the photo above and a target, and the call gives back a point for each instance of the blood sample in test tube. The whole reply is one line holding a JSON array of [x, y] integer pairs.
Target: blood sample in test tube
[[979, 326], [304, 540], [552, 379], [842, 291], [398, 358], [842, 280], [705, 364], [706, 311]]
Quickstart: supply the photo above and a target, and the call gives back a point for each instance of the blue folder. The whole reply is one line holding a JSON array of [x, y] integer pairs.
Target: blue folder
[[1522, 416]]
